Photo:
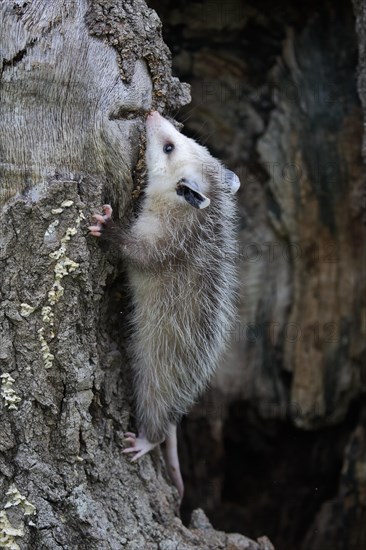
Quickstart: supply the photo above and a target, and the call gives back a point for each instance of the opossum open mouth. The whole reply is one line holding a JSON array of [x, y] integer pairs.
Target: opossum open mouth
[[190, 192]]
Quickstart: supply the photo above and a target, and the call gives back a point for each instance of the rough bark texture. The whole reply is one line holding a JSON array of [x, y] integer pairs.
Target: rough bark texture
[[275, 95], [70, 121]]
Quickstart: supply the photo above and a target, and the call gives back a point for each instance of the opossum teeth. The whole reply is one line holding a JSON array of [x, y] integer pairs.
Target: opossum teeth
[[189, 190]]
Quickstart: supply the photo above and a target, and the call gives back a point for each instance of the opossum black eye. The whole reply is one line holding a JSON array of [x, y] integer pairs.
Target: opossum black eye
[[168, 148]]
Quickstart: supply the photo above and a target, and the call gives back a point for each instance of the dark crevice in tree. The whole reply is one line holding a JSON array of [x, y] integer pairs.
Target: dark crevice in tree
[[18, 57], [289, 474]]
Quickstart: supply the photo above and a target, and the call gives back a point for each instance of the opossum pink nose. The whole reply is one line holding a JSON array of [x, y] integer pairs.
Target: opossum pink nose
[[153, 115]]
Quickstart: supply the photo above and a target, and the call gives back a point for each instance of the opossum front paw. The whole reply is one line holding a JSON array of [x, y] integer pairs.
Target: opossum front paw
[[139, 445], [96, 230]]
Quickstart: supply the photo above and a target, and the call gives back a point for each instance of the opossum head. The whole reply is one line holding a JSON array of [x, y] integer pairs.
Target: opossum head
[[180, 171]]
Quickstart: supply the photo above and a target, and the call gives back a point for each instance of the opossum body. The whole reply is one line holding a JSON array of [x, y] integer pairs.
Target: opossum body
[[180, 253]]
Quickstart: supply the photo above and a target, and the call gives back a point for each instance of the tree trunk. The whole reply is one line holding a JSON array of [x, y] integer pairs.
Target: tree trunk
[[76, 78]]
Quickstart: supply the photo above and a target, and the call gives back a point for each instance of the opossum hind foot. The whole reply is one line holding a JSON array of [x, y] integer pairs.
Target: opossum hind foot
[[139, 445]]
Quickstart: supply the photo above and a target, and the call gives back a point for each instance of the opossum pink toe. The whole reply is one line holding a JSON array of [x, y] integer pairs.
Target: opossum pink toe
[[129, 450], [107, 209], [130, 434], [94, 230], [99, 218], [131, 440]]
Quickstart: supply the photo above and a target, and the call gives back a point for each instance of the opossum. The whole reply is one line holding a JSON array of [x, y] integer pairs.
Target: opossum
[[181, 258]]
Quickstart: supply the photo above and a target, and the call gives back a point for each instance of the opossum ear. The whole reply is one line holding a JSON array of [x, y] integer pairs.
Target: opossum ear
[[190, 191], [232, 181]]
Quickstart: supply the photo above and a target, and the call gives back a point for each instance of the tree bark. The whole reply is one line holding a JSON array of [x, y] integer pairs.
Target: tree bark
[[76, 78]]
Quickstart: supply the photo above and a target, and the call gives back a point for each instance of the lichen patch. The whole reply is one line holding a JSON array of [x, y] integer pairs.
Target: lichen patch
[[9, 533], [8, 393], [63, 267], [26, 309], [16, 499]]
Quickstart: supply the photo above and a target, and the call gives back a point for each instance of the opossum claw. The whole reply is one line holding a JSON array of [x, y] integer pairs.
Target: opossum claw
[[99, 218], [140, 446]]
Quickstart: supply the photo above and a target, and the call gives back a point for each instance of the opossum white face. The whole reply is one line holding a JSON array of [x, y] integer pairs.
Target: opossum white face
[[176, 165]]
